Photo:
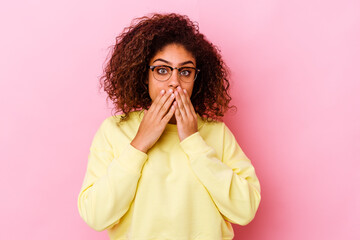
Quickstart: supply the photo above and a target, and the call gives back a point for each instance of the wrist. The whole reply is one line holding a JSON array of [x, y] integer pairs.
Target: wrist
[[138, 146]]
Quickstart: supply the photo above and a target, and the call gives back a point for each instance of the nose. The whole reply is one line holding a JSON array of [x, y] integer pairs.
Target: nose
[[174, 80]]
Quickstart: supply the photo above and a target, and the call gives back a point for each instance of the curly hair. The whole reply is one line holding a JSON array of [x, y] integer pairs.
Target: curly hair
[[126, 72]]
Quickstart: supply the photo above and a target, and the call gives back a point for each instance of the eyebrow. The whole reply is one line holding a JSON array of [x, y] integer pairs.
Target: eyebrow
[[183, 63]]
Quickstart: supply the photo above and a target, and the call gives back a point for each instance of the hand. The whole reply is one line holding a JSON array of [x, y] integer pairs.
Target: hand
[[154, 121], [186, 118]]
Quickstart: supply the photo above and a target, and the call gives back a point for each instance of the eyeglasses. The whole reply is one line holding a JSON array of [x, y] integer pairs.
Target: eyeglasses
[[163, 73]]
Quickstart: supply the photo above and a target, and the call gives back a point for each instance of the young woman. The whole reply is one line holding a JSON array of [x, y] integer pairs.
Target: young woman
[[167, 167]]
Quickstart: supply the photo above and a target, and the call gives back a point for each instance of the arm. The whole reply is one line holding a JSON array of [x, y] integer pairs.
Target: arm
[[230, 181], [110, 182]]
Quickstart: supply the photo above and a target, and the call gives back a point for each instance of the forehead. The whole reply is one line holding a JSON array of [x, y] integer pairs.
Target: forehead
[[174, 53]]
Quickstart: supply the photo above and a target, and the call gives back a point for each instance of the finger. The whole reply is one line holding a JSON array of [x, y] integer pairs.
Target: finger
[[181, 101], [187, 103], [167, 105], [157, 99], [159, 107], [177, 113], [171, 112], [188, 100]]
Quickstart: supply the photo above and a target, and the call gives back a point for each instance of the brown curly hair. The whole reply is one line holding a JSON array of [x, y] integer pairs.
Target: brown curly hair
[[126, 72]]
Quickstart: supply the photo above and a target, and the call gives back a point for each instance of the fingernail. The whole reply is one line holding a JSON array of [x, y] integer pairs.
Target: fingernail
[[184, 90], [170, 90], [162, 91]]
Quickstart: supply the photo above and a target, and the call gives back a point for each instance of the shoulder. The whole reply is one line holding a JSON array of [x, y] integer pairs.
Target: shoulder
[[216, 130], [117, 131], [210, 125], [213, 130], [133, 120]]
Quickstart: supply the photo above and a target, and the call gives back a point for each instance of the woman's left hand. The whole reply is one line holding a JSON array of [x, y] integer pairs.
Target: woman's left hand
[[186, 118]]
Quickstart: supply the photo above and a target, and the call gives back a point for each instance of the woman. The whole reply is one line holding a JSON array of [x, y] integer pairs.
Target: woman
[[167, 167]]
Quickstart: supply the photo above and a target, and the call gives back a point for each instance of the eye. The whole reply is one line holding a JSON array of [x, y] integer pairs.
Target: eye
[[186, 72], [162, 70]]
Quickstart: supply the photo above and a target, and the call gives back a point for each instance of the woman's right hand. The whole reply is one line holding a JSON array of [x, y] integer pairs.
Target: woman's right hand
[[154, 121]]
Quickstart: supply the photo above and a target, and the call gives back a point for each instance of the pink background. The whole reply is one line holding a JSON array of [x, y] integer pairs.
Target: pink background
[[295, 81]]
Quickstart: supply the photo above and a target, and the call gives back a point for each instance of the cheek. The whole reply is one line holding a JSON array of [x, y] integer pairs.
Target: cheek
[[154, 90], [152, 93], [189, 90]]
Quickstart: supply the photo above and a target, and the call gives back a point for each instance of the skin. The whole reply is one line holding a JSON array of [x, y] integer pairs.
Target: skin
[[170, 100]]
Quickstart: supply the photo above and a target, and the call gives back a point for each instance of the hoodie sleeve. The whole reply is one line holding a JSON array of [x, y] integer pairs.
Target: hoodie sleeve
[[110, 181], [231, 181]]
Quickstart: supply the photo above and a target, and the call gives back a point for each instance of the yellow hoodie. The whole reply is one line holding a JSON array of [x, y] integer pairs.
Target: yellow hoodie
[[183, 190]]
